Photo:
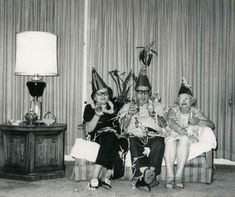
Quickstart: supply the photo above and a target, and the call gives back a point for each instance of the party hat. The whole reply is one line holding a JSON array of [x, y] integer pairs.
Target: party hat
[[97, 81], [185, 88]]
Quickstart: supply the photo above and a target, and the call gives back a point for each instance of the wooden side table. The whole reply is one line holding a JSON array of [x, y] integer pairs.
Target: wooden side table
[[33, 152]]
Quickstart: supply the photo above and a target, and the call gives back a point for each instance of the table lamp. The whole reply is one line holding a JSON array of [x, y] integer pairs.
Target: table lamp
[[36, 56]]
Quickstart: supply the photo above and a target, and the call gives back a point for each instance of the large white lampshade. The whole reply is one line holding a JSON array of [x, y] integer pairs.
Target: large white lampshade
[[36, 55]]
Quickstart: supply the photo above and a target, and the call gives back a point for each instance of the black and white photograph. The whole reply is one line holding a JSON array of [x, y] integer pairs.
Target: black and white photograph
[[117, 98]]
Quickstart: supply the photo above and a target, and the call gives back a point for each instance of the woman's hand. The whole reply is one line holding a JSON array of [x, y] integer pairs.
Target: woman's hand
[[99, 110], [183, 131], [111, 110], [193, 121], [88, 137]]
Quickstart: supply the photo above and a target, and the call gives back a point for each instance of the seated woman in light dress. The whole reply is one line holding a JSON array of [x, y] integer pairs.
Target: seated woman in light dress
[[188, 125]]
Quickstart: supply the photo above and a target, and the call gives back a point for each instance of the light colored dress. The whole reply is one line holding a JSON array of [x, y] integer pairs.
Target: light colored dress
[[204, 138]]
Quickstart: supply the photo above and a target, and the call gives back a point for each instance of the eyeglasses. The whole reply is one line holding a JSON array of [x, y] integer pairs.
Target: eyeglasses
[[143, 92], [184, 98], [102, 93]]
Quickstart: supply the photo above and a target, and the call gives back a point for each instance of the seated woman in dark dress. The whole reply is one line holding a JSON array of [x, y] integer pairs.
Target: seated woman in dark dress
[[103, 128]]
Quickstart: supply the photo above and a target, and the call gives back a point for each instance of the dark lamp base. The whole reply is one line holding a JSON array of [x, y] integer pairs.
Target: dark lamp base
[[36, 88]]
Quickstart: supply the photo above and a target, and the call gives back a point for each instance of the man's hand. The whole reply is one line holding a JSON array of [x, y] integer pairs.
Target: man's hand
[[132, 109], [139, 132], [161, 121], [146, 151]]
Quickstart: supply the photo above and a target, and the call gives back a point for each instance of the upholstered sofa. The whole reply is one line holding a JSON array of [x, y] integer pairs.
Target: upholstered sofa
[[199, 169]]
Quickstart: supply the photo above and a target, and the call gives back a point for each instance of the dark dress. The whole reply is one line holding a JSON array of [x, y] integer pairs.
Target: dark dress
[[110, 143]]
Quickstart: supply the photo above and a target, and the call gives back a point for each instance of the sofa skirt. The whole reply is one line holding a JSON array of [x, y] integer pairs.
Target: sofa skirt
[[196, 170]]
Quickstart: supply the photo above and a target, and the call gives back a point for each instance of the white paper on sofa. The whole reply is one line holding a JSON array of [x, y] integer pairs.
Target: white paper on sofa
[[84, 149]]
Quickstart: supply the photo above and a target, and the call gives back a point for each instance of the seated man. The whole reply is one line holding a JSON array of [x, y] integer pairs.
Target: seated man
[[140, 120], [187, 125]]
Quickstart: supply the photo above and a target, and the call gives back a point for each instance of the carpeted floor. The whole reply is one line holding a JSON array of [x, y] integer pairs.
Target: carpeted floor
[[223, 186]]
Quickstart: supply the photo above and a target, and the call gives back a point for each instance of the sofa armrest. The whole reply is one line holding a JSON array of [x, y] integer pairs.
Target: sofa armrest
[[81, 131], [209, 159]]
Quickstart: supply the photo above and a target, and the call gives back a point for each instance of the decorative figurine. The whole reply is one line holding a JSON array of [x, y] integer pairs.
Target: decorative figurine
[[31, 117]]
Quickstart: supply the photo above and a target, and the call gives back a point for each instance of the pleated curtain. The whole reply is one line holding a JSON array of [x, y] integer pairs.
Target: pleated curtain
[[63, 94], [194, 39]]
